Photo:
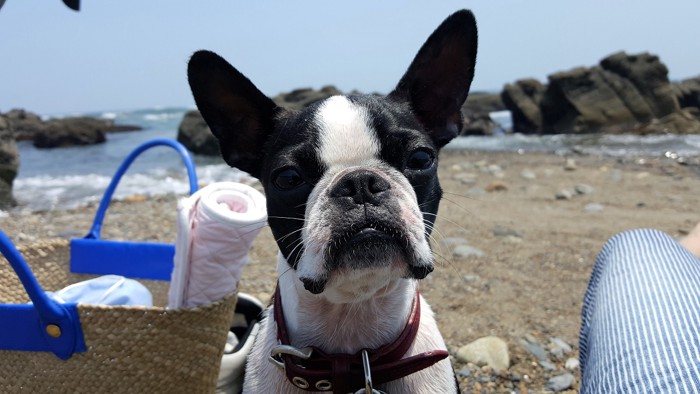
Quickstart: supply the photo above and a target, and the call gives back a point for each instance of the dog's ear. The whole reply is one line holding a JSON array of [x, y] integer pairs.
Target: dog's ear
[[240, 116], [437, 81]]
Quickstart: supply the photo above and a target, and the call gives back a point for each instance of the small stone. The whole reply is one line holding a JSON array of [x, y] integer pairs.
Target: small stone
[[488, 351], [502, 231], [572, 364], [561, 344], [593, 208], [465, 373], [475, 192], [584, 189], [528, 174], [536, 350], [564, 194], [453, 241], [561, 382], [497, 186], [570, 165], [471, 278], [548, 366], [467, 251], [456, 167]]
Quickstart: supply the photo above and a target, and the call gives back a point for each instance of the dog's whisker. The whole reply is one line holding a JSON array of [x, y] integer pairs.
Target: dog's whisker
[[287, 218], [282, 238]]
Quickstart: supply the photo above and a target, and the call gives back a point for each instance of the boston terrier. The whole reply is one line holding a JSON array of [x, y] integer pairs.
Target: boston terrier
[[352, 196]]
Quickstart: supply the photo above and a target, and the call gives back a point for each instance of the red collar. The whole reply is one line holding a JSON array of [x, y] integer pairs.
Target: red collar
[[343, 373]]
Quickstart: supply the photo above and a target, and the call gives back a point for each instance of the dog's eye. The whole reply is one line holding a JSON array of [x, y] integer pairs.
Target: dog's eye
[[287, 179], [420, 160]]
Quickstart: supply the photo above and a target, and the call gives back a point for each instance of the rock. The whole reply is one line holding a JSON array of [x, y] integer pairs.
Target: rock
[[501, 231], [558, 348], [593, 208], [24, 123], [497, 186], [561, 382], [535, 349], [528, 174], [467, 251], [687, 92], [570, 165], [9, 163], [564, 194], [481, 125], [584, 189], [523, 100], [196, 136], [547, 365], [70, 132], [684, 121], [572, 364], [479, 105], [490, 351], [301, 98], [649, 76]]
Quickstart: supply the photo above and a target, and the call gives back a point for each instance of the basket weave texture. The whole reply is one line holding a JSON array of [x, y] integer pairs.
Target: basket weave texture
[[129, 349]]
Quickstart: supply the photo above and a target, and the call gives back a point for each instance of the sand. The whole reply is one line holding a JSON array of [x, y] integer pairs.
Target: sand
[[537, 250]]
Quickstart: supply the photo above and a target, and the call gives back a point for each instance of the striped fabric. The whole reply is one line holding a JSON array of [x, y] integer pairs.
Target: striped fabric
[[640, 330]]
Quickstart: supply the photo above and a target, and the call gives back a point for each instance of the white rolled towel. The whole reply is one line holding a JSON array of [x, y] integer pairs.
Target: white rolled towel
[[215, 231]]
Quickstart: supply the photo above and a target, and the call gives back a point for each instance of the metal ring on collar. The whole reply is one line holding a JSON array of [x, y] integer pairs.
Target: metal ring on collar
[[324, 385]]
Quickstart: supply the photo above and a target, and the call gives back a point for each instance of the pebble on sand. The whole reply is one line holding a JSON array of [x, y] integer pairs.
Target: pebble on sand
[[561, 382], [490, 351]]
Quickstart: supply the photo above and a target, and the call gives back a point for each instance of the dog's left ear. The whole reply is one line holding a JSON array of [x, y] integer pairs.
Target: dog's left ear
[[437, 82]]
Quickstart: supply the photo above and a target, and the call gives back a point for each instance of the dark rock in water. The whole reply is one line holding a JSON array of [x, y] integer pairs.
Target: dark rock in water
[[9, 162], [523, 99], [70, 132], [27, 124], [196, 136], [301, 98], [688, 92], [684, 121], [24, 123]]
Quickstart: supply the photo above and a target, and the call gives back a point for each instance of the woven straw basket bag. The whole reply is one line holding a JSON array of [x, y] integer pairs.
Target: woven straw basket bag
[[48, 347]]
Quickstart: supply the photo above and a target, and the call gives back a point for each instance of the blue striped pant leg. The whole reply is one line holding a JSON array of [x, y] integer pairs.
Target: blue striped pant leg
[[640, 329]]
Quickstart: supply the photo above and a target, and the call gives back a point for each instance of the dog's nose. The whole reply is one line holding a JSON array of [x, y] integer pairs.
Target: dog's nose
[[363, 186]]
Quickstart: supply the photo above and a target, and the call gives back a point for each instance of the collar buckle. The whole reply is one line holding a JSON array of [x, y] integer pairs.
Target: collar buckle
[[368, 376], [278, 351]]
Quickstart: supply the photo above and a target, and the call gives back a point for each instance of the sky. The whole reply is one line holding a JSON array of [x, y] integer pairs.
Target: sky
[[132, 54]]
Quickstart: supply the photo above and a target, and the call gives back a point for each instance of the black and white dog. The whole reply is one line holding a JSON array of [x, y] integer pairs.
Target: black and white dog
[[352, 194]]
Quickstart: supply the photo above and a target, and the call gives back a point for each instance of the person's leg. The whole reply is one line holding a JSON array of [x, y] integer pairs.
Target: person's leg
[[692, 241], [640, 330]]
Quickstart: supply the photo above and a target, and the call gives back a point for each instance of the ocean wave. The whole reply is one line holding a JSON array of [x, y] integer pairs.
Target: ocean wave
[[39, 193]]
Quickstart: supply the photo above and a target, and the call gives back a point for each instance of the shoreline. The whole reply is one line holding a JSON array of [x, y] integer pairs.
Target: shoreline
[[513, 259]]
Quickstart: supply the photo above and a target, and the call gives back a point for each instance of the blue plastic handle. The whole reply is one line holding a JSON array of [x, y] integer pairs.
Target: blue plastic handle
[[28, 327], [107, 197]]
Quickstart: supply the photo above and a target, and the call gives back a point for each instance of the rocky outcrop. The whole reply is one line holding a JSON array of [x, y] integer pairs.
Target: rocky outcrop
[[62, 132], [70, 132], [684, 121], [24, 123], [301, 98], [195, 135], [523, 99], [624, 93], [687, 92], [9, 163]]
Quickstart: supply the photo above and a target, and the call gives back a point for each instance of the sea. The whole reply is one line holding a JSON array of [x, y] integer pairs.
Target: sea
[[73, 177]]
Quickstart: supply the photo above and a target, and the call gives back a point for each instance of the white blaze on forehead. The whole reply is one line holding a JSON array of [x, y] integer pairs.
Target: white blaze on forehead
[[346, 137]]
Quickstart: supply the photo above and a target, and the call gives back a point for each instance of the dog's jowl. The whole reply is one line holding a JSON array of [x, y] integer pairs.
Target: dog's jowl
[[352, 193]]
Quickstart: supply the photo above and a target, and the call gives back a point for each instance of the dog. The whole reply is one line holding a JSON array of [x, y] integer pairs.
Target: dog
[[352, 196]]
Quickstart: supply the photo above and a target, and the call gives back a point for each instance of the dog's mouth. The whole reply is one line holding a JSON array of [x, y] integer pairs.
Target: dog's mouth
[[365, 245]]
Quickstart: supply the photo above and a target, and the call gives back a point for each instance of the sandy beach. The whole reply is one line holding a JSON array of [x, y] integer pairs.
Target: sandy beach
[[516, 239]]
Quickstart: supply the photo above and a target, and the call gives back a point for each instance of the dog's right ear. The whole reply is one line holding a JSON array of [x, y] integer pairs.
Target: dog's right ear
[[240, 116]]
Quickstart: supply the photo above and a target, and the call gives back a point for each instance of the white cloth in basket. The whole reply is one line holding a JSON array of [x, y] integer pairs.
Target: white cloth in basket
[[215, 231]]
